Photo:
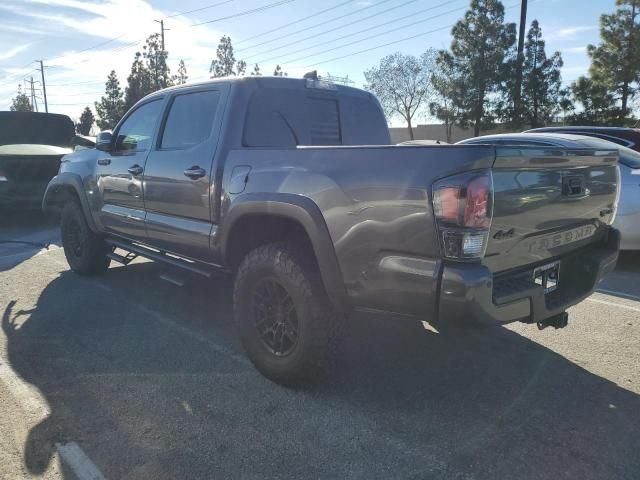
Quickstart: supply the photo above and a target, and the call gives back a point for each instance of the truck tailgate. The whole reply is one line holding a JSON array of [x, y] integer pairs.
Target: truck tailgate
[[548, 202]]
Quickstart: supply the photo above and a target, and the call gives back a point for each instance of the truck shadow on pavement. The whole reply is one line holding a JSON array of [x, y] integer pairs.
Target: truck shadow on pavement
[[23, 235], [146, 379]]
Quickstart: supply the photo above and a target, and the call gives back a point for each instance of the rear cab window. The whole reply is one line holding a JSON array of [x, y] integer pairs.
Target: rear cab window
[[296, 115]]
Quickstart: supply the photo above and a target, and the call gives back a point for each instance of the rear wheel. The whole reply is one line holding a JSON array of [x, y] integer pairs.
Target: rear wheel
[[86, 252], [285, 319]]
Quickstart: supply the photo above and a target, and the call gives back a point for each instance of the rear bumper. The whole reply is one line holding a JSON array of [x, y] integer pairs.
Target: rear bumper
[[471, 294]]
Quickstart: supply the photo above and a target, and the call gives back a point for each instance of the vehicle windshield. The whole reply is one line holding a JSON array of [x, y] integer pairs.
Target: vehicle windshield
[[628, 157]]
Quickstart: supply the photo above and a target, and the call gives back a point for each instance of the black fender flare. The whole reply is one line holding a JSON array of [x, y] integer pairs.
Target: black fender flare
[[69, 180], [304, 211]]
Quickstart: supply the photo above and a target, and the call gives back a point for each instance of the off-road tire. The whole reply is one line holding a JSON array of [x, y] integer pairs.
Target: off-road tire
[[85, 251], [292, 267]]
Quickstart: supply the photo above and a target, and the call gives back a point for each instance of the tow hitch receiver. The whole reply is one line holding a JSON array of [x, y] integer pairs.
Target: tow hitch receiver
[[557, 321]]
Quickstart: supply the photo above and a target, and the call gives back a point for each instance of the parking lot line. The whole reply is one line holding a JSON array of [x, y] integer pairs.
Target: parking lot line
[[78, 461], [619, 294], [614, 304], [32, 401]]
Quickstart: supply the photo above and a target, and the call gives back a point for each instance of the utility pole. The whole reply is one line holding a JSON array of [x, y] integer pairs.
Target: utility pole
[[517, 94], [44, 87], [164, 52], [161, 22]]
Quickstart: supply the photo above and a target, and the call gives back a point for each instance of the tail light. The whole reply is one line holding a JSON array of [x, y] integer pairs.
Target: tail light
[[463, 206]]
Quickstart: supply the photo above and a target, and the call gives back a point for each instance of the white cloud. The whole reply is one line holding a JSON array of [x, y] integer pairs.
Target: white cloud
[[570, 32], [14, 51], [582, 49], [129, 20], [88, 24]]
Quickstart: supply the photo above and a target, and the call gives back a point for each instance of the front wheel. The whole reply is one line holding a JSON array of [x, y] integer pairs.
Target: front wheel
[[86, 252], [284, 317]]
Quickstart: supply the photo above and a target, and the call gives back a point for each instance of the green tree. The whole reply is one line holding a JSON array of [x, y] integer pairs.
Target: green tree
[[225, 65], [598, 104], [256, 70], [21, 102], [278, 72], [111, 106], [182, 77], [482, 51], [447, 86], [615, 63], [156, 63], [541, 80], [402, 84], [83, 127], [139, 82]]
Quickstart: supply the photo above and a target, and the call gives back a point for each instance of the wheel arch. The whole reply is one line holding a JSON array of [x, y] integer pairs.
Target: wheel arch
[[292, 215], [64, 187]]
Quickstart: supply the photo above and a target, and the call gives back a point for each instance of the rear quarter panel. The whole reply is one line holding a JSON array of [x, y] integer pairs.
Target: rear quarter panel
[[377, 208]]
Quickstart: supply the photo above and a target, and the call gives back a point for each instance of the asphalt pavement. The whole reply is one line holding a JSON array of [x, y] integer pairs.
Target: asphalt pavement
[[126, 376]]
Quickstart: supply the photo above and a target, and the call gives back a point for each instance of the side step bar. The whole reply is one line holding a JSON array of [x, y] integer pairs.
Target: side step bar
[[139, 250]]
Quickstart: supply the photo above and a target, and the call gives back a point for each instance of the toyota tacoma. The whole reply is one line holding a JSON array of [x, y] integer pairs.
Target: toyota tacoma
[[291, 187]]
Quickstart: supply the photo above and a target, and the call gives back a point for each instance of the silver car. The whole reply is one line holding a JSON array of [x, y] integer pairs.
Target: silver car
[[628, 217]]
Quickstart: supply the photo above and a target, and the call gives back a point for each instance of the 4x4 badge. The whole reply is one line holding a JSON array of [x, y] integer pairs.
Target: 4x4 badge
[[501, 234]]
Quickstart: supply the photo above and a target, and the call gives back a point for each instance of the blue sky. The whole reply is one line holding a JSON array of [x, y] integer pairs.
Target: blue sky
[[81, 41]]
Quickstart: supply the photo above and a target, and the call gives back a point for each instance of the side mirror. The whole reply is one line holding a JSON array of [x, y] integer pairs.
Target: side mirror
[[103, 141]]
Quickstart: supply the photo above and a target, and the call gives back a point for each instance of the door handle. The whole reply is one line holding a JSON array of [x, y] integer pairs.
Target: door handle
[[195, 172], [135, 169], [104, 161]]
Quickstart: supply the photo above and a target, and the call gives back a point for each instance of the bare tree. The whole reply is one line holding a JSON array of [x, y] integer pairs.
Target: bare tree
[[402, 84]]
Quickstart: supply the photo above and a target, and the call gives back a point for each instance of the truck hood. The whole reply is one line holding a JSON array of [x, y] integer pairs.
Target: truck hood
[[33, 149]]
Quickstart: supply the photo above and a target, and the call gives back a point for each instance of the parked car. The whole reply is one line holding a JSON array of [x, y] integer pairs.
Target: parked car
[[291, 186], [627, 137], [628, 217], [31, 146]]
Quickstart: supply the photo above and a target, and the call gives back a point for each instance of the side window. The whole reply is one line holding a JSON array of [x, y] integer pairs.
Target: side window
[[135, 134], [190, 119]]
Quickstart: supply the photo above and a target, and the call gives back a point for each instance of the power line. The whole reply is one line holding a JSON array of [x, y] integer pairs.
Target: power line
[[79, 94], [198, 9], [306, 29], [366, 30], [245, 12], [90, 48], [97, 45], [67, 104], [294, 22], [16, 75], [383, 45], [75, 83], [392, 43]]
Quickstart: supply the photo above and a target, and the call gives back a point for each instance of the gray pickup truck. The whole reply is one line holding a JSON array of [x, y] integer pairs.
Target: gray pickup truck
[[291, 186]]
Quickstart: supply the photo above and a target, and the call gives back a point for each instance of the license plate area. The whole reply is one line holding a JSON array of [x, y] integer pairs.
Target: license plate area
[[547, 276]]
